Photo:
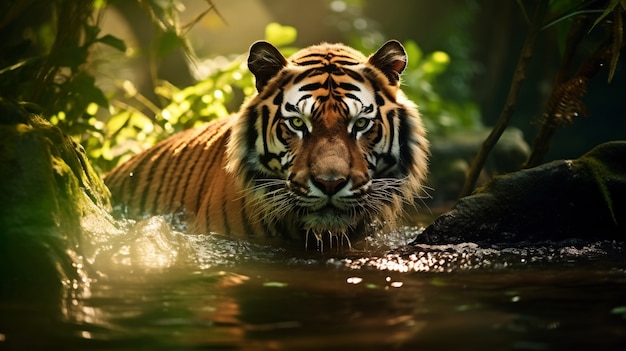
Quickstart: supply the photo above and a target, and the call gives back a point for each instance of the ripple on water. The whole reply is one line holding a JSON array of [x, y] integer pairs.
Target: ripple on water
[[471, 256], [153, 243]]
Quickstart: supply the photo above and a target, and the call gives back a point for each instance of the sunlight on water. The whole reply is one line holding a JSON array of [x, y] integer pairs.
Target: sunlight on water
[[153, 243], [149, 285], [468, 256]]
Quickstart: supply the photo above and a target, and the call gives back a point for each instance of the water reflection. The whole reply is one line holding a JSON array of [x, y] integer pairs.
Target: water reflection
[[153, 287]]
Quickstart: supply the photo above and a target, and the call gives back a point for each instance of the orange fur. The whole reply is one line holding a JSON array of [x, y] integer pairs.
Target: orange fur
[[329, 144]]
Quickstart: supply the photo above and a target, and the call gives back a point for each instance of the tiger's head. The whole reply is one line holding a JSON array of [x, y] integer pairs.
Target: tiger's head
[[330, 143]]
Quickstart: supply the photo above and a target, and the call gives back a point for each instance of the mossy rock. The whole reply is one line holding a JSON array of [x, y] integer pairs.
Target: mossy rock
[[583, 199], [47, 187]]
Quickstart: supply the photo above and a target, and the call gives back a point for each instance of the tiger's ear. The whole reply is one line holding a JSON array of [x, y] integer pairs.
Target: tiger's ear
[[265, 61], [390, 59]]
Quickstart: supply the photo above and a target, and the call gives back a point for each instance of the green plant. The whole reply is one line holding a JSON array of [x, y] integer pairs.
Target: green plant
[[46, 61], [576, 20], [58, 74], [419, 82], [129, 130]]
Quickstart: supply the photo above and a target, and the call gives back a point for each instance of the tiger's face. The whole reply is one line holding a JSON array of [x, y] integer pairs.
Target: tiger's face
[[329, 143]]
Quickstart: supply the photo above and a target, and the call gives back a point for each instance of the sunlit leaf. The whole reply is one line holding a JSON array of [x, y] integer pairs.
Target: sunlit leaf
[[436, 63], [280, 35], [100, 4], [116, 122], [275, 284], [92, 109], [413, 52]]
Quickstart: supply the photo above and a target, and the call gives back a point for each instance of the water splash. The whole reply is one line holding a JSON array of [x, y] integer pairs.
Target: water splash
[[153, 243], [471, 256]]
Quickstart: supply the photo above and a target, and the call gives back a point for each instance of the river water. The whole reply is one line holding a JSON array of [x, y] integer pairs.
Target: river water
[[152, 287]]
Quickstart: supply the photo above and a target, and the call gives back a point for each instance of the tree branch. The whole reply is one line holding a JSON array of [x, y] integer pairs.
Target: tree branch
[[511, 101]]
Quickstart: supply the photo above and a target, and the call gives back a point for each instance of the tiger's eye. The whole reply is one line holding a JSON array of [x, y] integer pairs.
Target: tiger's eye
[[361, 123], [297, 123]]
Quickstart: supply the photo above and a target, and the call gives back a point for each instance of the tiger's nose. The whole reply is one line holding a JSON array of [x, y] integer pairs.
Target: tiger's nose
[[329, 186]]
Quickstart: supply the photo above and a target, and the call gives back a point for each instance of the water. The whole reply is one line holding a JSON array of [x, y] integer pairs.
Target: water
[[153, 288]]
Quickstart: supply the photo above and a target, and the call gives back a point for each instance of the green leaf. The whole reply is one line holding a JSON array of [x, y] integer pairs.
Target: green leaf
[[436, 63], [85, 86], [71, 57], [114, 42], [414, 54], [280, 35], [274, 284], [91, 32], [606, 12], [168, 42]]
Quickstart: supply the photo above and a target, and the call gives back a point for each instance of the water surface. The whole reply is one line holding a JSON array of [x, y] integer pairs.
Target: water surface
[[153, 288]]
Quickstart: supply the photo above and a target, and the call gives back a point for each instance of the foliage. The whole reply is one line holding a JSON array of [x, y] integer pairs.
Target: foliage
[[60, 77], [565, 101], [419, 83], [128, 130], [49, 67], [437, 82]]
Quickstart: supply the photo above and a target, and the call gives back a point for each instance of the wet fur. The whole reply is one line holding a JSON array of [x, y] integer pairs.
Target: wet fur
[[273, 168]]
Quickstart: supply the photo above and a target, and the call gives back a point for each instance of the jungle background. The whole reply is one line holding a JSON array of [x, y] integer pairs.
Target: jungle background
[[121, 75]]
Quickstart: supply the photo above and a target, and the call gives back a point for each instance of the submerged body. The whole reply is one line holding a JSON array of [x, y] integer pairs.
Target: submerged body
[[330, 144]]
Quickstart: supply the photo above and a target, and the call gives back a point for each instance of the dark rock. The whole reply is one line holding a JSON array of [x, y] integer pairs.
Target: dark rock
[[583, 198], [47, 187]]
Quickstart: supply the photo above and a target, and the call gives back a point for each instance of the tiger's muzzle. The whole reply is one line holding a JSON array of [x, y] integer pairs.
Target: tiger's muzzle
[[329, 182]]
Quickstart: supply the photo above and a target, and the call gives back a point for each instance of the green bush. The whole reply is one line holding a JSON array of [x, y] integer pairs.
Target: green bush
[[128, 130], [53, 69]]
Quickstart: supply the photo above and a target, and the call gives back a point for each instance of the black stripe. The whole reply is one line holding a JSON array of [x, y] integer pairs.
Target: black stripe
[[345, 63], [311, 87], [349, 87], [353, 97], [159, 150], [170, 169], [290, 107], [227, 229], [354, 75], [302, 76], [310, 62], [278, 99], [390, 123], [370, 74], [192, 166], [251, 133], [265, 121], [217, 151], [379, 100], [245, 219], [406, 157]]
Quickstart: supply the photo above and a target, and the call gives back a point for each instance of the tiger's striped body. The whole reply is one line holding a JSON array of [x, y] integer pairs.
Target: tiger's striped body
[[328, 145]]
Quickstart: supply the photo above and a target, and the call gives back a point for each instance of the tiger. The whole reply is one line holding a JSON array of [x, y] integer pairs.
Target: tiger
[[329, 144]]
